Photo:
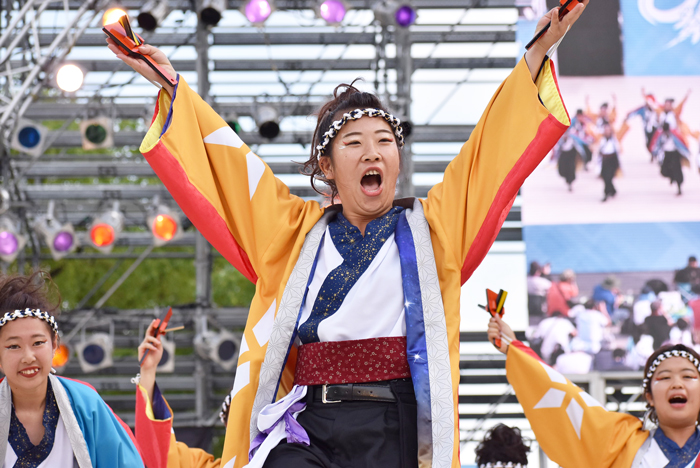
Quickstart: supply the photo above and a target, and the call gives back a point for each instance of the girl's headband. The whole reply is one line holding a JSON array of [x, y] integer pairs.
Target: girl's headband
[[354, 115], [502, 465], [662, 357], [36, 313]]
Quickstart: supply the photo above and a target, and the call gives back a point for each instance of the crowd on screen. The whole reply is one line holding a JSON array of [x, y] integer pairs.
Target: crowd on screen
[[602, 329]]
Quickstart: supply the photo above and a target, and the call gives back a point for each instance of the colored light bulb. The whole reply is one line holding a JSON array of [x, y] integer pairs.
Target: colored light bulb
[[257, 11], [405, 16], [8, 243], [63, 241], [164, 227], [102, 235], [333, 11]]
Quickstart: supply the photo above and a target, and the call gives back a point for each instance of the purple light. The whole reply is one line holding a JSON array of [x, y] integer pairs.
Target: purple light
[[333, 11], [8, 243], [63, 241], [257, 11], [405, 16]]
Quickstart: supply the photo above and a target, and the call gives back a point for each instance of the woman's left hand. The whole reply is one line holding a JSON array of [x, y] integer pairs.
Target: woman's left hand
[[556, 31], [558, 28]]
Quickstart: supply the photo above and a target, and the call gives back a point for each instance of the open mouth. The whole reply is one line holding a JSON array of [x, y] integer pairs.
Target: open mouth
[[678, 400], [371, 181]]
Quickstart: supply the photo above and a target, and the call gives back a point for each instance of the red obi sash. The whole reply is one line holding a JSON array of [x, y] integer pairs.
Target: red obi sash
[[357, 361]]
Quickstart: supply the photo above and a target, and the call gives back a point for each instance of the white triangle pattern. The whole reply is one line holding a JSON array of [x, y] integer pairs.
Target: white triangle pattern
[[242, 378], [244, 346], [554, 376], [575, 413], [589, 400], [263, 328], [224, 136], [552, 399], [256, 169]]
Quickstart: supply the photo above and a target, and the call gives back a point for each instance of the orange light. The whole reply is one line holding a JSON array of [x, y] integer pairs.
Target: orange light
[[102, 235], [112, 16], [61, 357], [164, 227]]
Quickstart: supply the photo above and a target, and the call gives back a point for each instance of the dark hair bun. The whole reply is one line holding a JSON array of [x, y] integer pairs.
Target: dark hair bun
[[502, 444]]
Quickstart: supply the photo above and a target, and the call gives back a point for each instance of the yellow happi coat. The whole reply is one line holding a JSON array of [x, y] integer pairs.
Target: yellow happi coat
[[249, 216]]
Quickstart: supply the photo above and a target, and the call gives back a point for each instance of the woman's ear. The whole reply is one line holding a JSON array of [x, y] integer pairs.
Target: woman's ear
[[327, 167]]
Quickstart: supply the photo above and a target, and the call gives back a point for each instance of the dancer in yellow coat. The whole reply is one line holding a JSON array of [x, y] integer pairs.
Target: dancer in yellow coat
[[576, 431], [350, 356]]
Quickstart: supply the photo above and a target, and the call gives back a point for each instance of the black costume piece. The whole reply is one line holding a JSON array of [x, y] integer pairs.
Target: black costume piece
[[376, 434]]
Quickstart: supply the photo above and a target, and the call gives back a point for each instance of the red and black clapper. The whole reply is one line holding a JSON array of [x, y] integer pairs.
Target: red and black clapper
[[159, 329], [121, 33], [495, 306]]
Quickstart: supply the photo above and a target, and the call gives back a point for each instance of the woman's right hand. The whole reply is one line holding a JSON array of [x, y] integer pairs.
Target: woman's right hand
[[142, 68], [153, 345], [498, 328]]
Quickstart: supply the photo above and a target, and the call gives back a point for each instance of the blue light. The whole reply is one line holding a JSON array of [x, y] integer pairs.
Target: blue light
[[29, 137], [93, 354]]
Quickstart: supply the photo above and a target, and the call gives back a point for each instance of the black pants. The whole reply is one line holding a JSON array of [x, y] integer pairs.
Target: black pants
[[567, 165], [671, 167], [608, 170], [355, 434]]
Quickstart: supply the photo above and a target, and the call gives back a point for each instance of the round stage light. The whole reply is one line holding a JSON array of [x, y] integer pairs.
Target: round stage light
[[61, 357], [227, 349], [93, 354], [102, 234], [96, 133], [112, 16], [70, 78], [164, 358], [267, 119], [63, 241], [8, 243], [29, 137], [405, 16], [164, 227], [257, 11], [333, 11]]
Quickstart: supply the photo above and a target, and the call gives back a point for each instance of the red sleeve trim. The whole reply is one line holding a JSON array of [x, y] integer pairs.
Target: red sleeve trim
[[548, 133], [200, 211], [155, 113], [154, 435]]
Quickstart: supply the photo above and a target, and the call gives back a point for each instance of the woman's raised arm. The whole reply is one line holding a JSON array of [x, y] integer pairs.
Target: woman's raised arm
[[521, 124], [226, 190]]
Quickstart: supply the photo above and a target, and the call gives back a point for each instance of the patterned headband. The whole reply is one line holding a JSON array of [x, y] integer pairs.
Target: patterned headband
[[223, 415], [354, 115], [36, 313], [662, 357], [502, 465]]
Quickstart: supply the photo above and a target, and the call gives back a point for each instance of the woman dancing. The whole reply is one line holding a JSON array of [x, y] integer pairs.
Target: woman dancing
[[48, 421], [350, 355], [575, 430]]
